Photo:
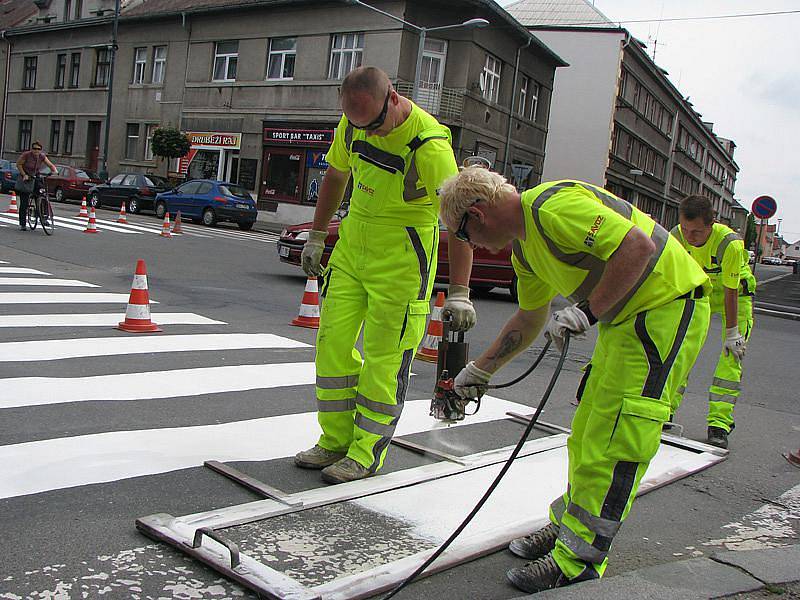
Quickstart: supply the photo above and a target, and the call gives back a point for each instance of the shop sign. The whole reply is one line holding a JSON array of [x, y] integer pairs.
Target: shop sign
[[316, 160], [215, 140], [297, 136]]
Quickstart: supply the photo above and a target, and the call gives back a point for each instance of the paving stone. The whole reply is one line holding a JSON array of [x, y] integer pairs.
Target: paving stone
[[772, 565]]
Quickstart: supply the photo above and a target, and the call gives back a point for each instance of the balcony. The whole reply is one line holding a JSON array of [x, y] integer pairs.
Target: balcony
[[442, 102]]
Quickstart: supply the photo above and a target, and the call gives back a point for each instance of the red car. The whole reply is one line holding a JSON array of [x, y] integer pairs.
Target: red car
[[488, 270], [71, 183]]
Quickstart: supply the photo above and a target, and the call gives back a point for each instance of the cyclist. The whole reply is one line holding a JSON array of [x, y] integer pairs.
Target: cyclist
[[29, 164]]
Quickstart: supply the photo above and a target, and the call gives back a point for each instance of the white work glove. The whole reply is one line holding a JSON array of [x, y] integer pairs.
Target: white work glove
[[312, 252], [459, 307], [734, 343], [571, 318], [472, 382]]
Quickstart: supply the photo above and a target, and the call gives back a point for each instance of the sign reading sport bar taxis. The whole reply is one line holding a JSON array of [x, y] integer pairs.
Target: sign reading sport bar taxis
[[309, 137]]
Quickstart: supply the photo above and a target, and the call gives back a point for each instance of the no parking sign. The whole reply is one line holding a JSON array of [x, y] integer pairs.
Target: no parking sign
[[764, 207]]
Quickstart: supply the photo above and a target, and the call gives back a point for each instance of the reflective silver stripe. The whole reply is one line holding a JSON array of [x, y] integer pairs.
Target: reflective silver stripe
[[516, 249], [618, 205], [371, 426], [337, 383], [558, 507], [727, 384], [582, 549], [422, 257], [605, 527], [348, 136], [379, 158], [676, 232], [390, 410], [410, 190], [336, 405], [712, 397], [723, 245]]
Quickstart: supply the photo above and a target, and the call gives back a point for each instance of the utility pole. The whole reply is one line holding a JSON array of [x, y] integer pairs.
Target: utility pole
[[113, 49]]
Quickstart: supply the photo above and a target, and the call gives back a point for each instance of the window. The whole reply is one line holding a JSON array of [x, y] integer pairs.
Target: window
[[132, 140], [61, 70], [346, 51], [102, 69], [55, 135], [523, 95], [690, 145], [159, 63], [117, 179], [490, 78], [139, 65], [78, 9], [69, 136], [226, 56], [280, 64], [29, 79], [25, 130], [148, 142], [129, 180], [67, 9], [535, 90], [189, 188], [74, 69]]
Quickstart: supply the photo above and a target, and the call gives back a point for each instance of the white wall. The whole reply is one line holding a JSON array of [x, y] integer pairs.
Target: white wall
[[793, 250], [582, 108]]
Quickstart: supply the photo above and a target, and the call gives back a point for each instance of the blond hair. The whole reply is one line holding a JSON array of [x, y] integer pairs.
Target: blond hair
[[471, 185]]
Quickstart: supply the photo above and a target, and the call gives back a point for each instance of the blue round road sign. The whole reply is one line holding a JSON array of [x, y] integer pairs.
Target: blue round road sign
[[764, 207]]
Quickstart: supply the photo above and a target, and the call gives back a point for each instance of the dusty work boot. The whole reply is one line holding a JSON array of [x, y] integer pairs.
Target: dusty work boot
[[345, 470], [718, 437], [317, 458], [537, 544], [545, 574]]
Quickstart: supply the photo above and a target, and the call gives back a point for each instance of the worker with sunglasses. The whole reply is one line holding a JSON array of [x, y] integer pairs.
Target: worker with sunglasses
[[380, 275], [648, 297]]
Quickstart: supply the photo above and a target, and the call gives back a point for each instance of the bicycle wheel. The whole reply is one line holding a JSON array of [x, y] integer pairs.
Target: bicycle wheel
[[46, 215], [32, 212]]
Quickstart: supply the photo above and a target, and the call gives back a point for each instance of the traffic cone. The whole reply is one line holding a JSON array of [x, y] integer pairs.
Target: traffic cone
[[83, 212], [91, 226], [176, 228], [137, 314], [793, 458], [309, 307], [165, 227], [12, 208], [429, 351], [123, 218]]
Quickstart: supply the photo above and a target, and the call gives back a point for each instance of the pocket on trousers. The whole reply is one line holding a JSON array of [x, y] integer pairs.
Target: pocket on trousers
[[414, 324], [637, 433]]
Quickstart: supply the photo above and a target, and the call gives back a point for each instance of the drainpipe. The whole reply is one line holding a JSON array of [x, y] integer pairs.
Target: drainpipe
[[513, 101], [5, 94]]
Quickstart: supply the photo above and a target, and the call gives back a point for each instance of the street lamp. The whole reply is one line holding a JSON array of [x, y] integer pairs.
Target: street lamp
[[423, 32]]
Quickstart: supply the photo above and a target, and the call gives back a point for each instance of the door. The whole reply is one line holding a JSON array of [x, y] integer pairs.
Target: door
[[184, 201], [110, 195], [230, 172], [92, 144], [432, 75], [128, 189], [201, 198], [283, 172]]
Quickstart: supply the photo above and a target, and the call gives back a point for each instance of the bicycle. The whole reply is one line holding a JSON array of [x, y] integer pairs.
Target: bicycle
[[39, 208]]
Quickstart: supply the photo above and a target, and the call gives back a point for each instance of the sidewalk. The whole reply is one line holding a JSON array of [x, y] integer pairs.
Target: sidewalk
[[779, 297], [722, 575]]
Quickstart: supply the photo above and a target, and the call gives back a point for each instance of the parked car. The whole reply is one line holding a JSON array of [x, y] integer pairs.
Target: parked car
[[488, 270], [71, 183], [771, 260], [751, 257], [209, 201], [8, 175], [136, 190]]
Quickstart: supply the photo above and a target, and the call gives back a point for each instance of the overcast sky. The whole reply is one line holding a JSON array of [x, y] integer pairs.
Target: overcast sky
[[741, 74]]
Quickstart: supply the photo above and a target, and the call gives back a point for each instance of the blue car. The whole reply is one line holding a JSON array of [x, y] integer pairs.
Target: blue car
[[209, 201], [8, 175]]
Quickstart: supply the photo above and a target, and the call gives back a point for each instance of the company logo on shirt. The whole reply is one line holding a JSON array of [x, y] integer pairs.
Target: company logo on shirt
[[366, 189], [590, 237]]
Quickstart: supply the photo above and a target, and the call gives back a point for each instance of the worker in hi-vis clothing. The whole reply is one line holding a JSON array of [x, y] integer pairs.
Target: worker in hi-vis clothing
[[623, 272], [720, 252], [381, 272]]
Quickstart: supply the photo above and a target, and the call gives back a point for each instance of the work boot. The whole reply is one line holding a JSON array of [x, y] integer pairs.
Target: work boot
[[345, 470], [545, 574], [669, 425], [718, 437], [537, 544], [317, 458]]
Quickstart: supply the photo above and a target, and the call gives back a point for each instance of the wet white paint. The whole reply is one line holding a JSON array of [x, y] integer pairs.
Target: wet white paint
[[64, 225], [100, 320], [82, 347], [20, 271], [37, 391], [34, 467], [45, 282], [65, 298]]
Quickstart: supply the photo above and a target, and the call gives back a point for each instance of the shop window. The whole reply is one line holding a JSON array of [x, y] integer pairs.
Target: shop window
[[226, 58], [282, 180], [280, 64], [204, 165], [346, 52]]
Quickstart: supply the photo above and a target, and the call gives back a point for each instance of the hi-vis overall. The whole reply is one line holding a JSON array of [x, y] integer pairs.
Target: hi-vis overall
[[379, 279], [646, 345], [725, 261]]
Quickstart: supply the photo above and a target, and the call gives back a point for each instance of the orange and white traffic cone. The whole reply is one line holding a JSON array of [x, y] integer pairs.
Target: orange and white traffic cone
[[91, 226], [165, 227], [123, 217], [137, 314], [309, 307], [12, 208], [176, 227], [429, 350], [83, 212]]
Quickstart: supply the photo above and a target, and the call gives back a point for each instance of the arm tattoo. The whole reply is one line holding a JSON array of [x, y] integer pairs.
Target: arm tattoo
[[509, 344]]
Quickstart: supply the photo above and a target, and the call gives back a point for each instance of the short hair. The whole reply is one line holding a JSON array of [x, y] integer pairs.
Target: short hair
[[366, 80], [37, 143], [697, 206], [470, 185]]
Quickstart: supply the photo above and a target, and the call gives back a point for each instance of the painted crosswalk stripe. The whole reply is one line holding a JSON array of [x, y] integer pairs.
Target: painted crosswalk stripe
[[20, 271], [64, 298], [84, 347], [66, 221], [45, 282], [100, 320], [34, 467], [61, 225], [37, 391], [140, 228]]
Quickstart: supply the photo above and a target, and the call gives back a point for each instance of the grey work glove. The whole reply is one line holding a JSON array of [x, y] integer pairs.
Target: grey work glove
[[734, 343], [459, 307], [471, 382], [571, 318], [312, 252]]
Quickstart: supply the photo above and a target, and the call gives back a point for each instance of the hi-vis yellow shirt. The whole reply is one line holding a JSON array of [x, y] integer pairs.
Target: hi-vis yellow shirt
[[395, 177], [571, 231]]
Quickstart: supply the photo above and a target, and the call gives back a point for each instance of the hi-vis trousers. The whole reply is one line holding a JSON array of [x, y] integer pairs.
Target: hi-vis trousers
[[379, 278], [635, 369]]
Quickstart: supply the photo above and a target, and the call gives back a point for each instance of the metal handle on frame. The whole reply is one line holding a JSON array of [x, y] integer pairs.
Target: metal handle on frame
[[231, 546]]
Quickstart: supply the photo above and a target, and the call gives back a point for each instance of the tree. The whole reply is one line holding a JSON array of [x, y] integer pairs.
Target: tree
[[169, 142], [750, 232]]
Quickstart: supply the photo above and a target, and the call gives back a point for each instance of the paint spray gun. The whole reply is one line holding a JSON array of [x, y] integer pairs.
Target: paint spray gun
[[453, 354]]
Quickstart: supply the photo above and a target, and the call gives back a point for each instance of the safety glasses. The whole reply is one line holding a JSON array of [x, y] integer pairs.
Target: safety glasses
[[461, 232], [377, 123]]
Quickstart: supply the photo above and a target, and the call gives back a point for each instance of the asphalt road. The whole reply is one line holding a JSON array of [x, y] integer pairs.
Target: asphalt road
[[68, 538]]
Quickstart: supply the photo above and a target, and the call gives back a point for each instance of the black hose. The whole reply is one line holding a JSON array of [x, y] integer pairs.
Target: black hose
[[506, 466]]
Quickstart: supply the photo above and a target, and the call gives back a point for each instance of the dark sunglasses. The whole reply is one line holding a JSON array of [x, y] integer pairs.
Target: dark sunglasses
[[377, 123], [461, 232], [36, 148]]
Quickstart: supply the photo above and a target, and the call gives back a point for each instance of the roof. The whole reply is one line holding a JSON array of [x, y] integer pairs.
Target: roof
[[559, 13], [149, 7], [15, 12]]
